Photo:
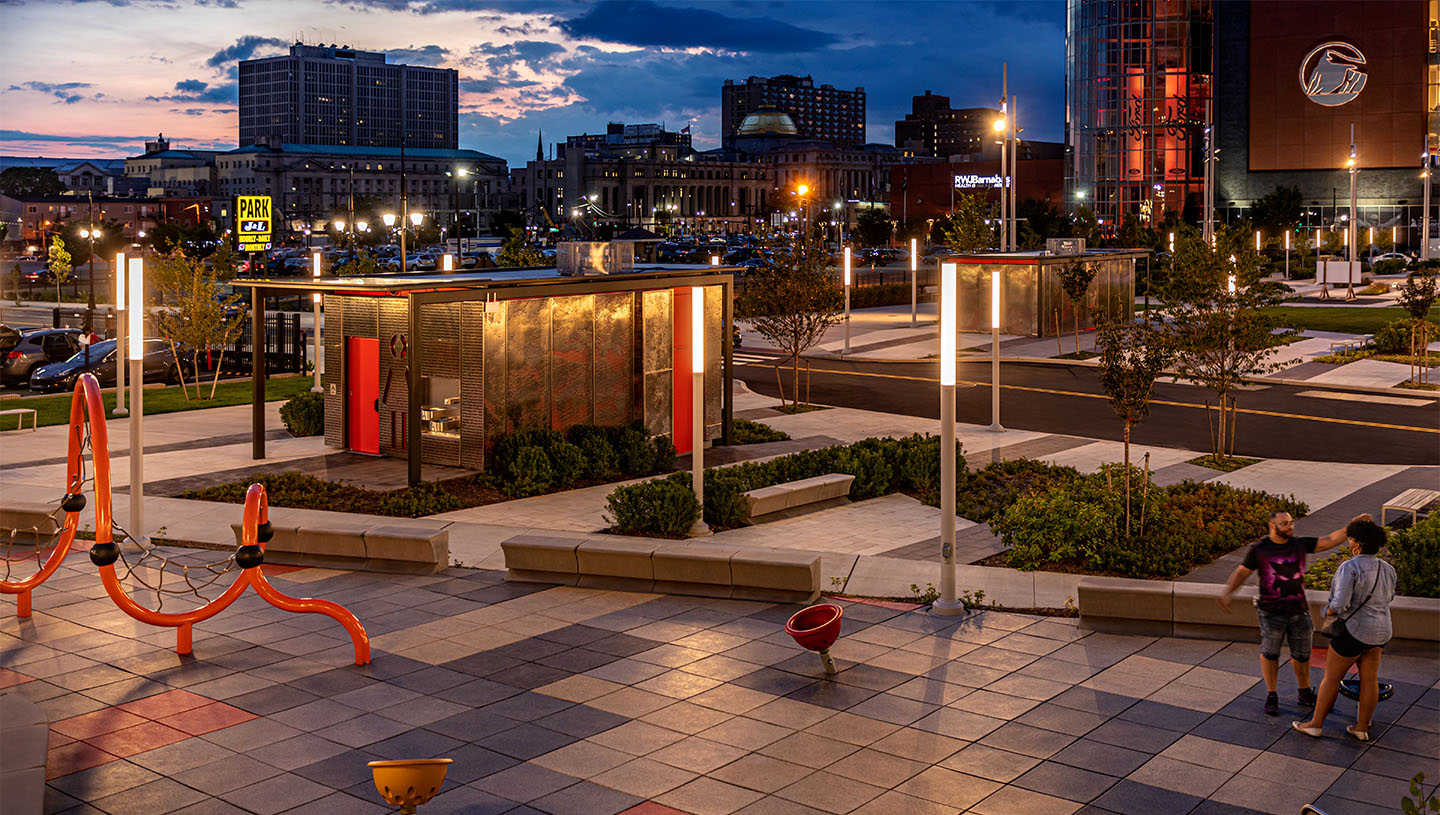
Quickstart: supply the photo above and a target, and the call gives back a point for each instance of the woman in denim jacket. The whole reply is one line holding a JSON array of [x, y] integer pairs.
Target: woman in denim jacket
[[1360, 594]]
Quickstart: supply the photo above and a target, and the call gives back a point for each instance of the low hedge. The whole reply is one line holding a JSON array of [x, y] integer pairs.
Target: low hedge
[[744, 431], [304, 415], [532, 462], [1394, 336], [886, 294], [292, 489], [1078, 524], [880, 466]]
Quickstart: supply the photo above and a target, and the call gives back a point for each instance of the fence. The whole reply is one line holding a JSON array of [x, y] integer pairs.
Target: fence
[[287, 345]]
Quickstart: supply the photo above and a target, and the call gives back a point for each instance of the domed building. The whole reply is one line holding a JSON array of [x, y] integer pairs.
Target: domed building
[[764, 128]]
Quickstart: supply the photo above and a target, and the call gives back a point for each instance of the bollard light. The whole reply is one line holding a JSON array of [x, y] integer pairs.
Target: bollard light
[[120, 355], [447, 262], [697, 405], [120, 281], [135, 283], [714, 260], [1230, 284], [914, 281], [995, 426], [947, 605], [315, 273], [1257, 240], [846, 286], [995, 300], [315, 329], [947, 324]]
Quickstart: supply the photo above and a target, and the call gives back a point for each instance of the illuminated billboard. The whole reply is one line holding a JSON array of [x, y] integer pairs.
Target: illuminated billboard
[[253, 220], [1317, 68]]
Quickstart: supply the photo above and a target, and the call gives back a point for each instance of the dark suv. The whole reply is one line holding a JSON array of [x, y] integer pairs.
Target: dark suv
[[37, 347]]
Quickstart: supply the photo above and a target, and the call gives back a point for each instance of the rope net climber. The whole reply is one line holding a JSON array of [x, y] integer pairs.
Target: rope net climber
[[161, 577]]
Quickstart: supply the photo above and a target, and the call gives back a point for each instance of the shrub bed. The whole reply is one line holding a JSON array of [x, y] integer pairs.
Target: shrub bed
[[744, 431], [1414, 552], [305, 491], [304, 415], [1079, 524], [533, 462], [886, 294]]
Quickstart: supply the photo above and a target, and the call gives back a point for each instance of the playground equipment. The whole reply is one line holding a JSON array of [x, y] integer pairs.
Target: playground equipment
[[151, 570], [409, 783], [815, 629]]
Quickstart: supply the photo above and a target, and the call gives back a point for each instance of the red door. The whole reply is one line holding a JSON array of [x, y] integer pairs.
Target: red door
[[362, 381]]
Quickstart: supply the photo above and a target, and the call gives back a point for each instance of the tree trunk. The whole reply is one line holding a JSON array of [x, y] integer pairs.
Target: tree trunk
[[1077, 329], [1219, 446], [180, 368], [215, 383], [795, 380], [1127, 479]]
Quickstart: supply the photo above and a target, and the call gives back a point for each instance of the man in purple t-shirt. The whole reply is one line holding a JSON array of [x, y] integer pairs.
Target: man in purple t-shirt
[[1284, 614]]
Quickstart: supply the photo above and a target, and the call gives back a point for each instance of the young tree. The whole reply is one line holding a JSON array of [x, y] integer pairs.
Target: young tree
[[360, 264], [1219, 337], [1417, 295], [1075, 278], [195, 312], [59, 264], [792, 303], [872, 227], [966, 230], [1278, 211], [1085, 224], [517, 251], [1132, 354]]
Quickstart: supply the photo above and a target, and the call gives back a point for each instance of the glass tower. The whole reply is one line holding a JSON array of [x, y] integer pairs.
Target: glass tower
[[1138, 91]]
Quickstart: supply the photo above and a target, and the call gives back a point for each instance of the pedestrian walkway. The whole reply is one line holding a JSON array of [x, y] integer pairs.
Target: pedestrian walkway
[[567, 700]]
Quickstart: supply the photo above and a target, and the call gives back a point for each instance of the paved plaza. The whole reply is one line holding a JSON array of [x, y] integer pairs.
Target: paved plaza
[[566, 700]]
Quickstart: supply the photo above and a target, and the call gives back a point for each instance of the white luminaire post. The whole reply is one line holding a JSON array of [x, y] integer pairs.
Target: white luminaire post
[[697, 404], [914, 273], [995, 426], [1257, 240], [846, 284], [714, 260], [315, 330], [947, 604], [447, 262], [1287, 254], [121, 354], [135, 283]]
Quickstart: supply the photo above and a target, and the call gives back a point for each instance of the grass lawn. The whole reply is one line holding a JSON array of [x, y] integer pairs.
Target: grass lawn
[[1341, 319], [53, 410]]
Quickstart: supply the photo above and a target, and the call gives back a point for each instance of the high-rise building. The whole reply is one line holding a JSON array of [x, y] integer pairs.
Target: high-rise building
[[339, 96], [823, 113], [1285, 87], [933, 128]]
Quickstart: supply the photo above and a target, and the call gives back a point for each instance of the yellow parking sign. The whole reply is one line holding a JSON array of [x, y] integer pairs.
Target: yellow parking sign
[[252, 223]]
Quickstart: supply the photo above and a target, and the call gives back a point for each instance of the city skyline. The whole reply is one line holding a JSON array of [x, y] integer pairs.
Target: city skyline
[[561, 68]]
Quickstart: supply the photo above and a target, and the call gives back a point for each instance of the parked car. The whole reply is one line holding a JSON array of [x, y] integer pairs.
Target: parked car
[[1389, 256], [159, 366], [35, 348]]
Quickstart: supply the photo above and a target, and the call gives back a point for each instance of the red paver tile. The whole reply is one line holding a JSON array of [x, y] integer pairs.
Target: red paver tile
[[106, 720], [207, 719], [74, 757], [9, 678], [59, 739], [652, 808], [275, 568], [137, 739], [165, 704]]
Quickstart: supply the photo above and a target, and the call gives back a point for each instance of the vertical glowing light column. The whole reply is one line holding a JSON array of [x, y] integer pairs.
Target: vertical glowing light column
[[1287, 254], [714, 260], [697, 404], [120, 351], [447, 262], [1257, 240], [995, 426], [846, 283], [914, 274], [315, 314], [135, 283], [947, 604]]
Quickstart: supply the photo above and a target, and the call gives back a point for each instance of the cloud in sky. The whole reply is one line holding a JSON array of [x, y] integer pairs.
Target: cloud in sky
[[564, 66], [640, 22]]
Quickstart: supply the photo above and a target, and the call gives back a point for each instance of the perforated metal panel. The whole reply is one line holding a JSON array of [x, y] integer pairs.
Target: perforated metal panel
[[472, 385], [394, 372], [527, 351], [332, 379], [572, 348], [495, 370], [657, 355], [714, 359], [613, 366]]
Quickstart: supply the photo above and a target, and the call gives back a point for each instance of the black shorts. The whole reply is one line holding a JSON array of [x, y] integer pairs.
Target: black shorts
[[1349, 647]]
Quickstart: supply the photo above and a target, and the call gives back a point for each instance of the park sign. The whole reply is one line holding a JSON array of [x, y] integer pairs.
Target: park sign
[[253, 219]]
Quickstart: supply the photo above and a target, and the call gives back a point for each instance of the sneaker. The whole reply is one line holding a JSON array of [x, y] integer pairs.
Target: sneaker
[[1272, 705], [1306, 697]]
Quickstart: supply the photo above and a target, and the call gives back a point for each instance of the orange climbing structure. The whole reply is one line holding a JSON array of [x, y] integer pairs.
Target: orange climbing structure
[[87, 412]]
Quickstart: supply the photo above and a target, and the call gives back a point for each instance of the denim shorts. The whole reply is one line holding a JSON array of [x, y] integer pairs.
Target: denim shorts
[[1297, 629]]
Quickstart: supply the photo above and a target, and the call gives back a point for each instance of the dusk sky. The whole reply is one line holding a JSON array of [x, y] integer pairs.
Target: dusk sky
[[95, 78]]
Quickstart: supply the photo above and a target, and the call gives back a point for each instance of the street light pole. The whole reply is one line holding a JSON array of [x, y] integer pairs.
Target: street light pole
[[315, 329], [947, 605], [697, 405], [1014, 197], [136, 285], [846, 285], [1351, 231]]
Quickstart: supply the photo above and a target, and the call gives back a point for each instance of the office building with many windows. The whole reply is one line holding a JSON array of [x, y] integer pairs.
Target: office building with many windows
[[933, 128], [339, 96]]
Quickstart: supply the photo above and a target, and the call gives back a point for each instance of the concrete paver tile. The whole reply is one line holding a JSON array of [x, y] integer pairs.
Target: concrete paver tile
[[697, 754], [707, 796], [1180, 776], [1017, 801], [815, 752], [949, 787], [761, 773], [830, 792]]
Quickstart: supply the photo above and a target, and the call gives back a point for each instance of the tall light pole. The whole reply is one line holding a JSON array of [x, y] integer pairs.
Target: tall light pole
[[914, 276], [315, 312], [1000, 127], [802, 191], [697, 405], [1287, 254], [1350, 232], [845, 283], [135, 282], [1425, 173], [947, 605], [995, 426], [92, 233], [1003, 126], [120, 350], [1014, 196]]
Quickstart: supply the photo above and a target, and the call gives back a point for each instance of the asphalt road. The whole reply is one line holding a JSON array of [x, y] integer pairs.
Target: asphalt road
[[1275, 421]]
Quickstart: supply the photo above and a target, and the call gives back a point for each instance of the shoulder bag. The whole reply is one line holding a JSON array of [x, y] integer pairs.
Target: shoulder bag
[[1334, 627]]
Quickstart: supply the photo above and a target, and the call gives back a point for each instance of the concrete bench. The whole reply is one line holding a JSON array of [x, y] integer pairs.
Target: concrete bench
[[19, 414], [1351, 344], [1162, 608], [358, 546], [1412, 501], [32, 524], [646, 564], [25, 731], [796, 494]]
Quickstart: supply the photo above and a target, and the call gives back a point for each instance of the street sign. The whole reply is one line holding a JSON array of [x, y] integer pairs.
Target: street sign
[[253, 219]]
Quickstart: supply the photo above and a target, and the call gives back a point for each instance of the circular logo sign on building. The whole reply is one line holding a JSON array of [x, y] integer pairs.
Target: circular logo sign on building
[[1331, 75]]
